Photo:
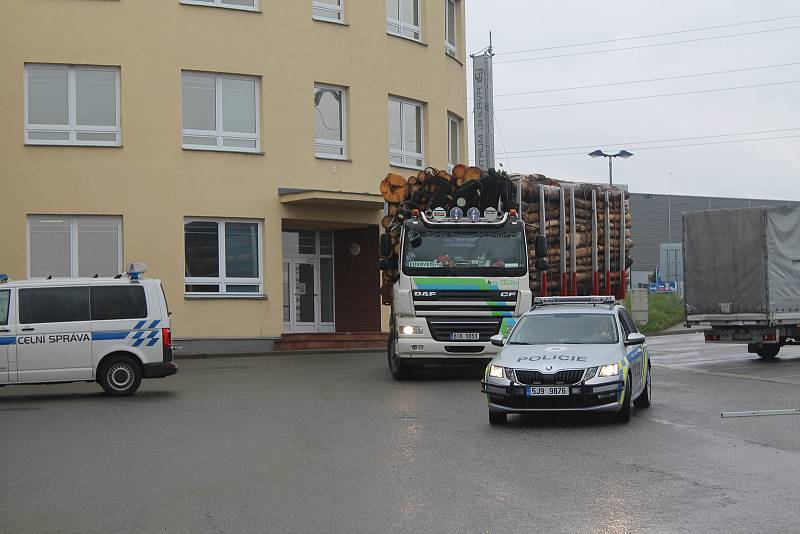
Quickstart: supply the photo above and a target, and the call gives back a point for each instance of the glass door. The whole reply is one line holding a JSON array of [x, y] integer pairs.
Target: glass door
[[308, 281]]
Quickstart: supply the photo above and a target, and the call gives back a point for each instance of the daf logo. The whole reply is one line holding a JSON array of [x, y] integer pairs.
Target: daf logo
[[425, 293]]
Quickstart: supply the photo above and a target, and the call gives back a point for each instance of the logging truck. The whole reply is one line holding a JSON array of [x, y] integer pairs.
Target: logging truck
[[464, 253]]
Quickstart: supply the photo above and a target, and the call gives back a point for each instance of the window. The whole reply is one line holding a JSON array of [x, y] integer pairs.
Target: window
[[450, 27], [453, 140], [627, 323], [74, 246], [405, 133], [329, 127], [5, 300], [118, 302], [223, 257], [403, 19], [71, 105], [220, 112], [247, 5], [53, 305], [328, 10]]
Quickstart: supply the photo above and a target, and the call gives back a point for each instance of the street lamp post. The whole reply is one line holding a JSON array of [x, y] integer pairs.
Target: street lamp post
[[624, 154]]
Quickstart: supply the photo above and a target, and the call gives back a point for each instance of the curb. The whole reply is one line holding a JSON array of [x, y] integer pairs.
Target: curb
[[308, 352]]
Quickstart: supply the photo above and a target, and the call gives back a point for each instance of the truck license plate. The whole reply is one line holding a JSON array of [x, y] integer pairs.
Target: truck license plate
[[548, 391], [464, 336]]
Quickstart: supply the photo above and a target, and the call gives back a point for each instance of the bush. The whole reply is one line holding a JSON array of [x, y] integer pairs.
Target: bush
[[665, 310]]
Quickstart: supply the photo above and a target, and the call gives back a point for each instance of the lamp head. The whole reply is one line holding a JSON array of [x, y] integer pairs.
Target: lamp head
[[597, 154]]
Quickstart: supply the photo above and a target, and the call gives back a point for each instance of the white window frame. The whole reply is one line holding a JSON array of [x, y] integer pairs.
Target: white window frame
[[327, 142], [405, 154], [450, 48], [72, 128], [221, 4], [222, 280], [73, 239], [219, 133], [452, 118], [337, 12], [393, 24]]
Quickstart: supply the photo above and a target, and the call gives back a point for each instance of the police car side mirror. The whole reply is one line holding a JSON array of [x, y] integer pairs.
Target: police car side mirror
[[635, 338], [497, 340]]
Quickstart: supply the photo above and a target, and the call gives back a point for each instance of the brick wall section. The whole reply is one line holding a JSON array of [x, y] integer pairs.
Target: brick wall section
[[357, 281]]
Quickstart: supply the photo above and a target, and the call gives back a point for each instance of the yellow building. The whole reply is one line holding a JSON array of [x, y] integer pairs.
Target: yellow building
[[234, 146]]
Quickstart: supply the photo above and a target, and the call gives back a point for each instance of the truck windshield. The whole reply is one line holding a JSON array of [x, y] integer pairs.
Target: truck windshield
[[467, 252], [565, 329]]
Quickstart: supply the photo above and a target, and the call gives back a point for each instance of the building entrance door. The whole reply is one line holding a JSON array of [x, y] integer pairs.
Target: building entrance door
[[307, 286]]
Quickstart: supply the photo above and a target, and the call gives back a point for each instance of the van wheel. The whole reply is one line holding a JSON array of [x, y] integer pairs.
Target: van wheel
[[119, 376], [769, 352], [644, 398], [624, 414]]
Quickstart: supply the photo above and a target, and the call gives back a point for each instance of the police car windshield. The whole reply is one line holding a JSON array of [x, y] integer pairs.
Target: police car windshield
[[565, 329], [467, 252]]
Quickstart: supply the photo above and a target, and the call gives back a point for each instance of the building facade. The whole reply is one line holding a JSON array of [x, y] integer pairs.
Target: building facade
[[234, 146]]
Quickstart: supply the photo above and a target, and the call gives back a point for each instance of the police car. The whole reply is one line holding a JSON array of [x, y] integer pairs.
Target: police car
[[569, 354], [115, 331]]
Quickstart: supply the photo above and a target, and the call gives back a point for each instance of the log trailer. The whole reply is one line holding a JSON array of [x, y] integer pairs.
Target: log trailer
[[464, 253]]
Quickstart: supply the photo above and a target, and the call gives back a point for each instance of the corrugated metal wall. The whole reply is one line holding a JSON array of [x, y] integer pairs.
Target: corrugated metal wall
[[653, 225]]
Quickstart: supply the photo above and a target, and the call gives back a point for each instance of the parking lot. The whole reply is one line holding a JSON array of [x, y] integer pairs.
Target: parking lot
[[330, 443]]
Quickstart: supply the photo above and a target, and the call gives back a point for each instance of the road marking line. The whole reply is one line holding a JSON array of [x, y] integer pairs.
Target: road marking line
[[727, 375]]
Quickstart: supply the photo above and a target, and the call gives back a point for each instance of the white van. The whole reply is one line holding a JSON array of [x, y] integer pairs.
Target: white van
[[115, 331]]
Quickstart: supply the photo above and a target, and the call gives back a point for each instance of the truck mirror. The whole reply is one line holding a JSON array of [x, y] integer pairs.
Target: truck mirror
[[497, 340], [385, 264], [541, 264], [415, 239], [541, 246], [385, 245]]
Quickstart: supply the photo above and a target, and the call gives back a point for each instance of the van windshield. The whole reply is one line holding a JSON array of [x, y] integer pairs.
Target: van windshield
[[565, 329]]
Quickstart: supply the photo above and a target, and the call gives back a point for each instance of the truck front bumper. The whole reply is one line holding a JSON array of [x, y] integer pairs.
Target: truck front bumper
[[425, 348]]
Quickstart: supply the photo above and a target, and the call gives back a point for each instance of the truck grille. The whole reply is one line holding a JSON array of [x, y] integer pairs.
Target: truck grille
[[535, 378], [442, 327], [443, 303]]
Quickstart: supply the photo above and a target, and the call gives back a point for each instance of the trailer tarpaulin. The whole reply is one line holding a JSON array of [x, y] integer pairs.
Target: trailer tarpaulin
[[783, 259]]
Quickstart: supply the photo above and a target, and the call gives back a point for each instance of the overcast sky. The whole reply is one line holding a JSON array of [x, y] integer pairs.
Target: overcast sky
[[764, 169]]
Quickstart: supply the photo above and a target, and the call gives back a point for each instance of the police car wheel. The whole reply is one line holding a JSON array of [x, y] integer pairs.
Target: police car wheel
[[643, 400], [497, 418], [120, 376], [400, 369], [624, 414]]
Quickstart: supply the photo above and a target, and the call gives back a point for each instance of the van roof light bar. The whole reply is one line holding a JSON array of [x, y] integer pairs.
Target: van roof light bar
[[135, 270], [3, 278]]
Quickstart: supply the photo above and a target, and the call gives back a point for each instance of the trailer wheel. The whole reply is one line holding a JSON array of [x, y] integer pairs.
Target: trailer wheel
[[769, 352]]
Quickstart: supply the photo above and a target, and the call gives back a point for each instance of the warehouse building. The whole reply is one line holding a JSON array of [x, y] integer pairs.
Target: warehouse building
[[658, 225], [234, 146]]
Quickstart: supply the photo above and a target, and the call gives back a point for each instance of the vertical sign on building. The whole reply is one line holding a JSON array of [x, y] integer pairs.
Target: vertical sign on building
[[484, 109]]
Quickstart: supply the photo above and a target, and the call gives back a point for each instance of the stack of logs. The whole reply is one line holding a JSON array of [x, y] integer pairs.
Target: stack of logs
[[583, 224]]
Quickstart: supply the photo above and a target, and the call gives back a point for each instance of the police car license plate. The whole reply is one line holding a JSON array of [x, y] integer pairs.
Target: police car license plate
[[464, 336], [548, 391]]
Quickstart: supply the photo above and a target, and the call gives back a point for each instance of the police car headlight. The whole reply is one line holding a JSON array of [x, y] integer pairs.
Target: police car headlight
[[611, 369], [409, 330], [495, 371]]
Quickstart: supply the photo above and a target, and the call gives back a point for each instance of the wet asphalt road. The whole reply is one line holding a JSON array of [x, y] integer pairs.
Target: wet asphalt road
[[329, 443]]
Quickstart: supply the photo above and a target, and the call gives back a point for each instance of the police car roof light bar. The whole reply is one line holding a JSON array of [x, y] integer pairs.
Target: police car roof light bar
[[589, 299]]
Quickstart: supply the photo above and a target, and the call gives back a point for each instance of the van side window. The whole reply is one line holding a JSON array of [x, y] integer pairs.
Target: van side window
[[53, 305], [5, 298], [118, 302]]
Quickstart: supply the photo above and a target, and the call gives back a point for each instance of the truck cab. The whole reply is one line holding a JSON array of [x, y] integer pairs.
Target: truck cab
[[462, 281]]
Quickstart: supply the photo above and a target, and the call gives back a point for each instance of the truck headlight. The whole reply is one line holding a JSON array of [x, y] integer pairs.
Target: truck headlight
[[409, 330], [495, 371], [611, 369]]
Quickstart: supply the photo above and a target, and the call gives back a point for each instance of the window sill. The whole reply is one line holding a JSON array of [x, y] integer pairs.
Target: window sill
[[332, 158], [454, 57], [220, 296], [401, 166], [418, 41], [71, 145], [224, 151], [233, 8], [332, 21]]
